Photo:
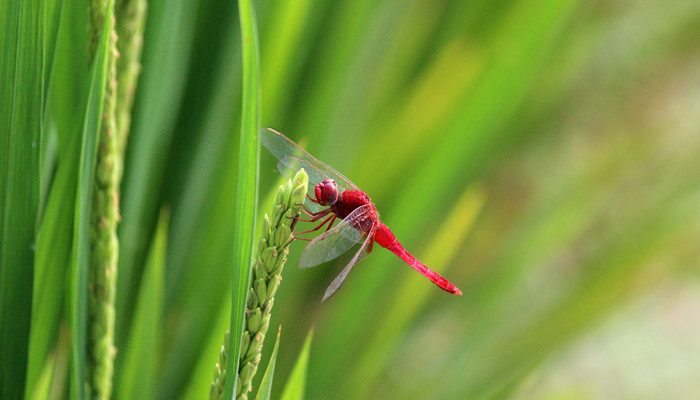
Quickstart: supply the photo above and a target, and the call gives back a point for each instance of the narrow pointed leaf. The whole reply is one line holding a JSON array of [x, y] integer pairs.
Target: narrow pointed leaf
[[246, 204], [42, 387], [166, 58], [266, 383], [81, 228], [296, 384], [21, 110], [53, 252], [59, 177], [138, 374]]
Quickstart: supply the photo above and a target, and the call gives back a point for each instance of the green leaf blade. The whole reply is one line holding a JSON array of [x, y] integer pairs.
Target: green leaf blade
[[249, 165], [80, 254], [53, 256], [265, 389], [138, 377], [166, 57], [21, 110], [296, 384]]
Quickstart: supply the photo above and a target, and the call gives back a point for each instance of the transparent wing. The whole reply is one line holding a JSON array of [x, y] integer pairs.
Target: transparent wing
[[337, 240], [363, 252], [292, 157]]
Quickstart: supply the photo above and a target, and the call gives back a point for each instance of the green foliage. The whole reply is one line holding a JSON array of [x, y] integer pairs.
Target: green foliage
[[81, 241], [541, 155], [295, 387], [265, 389], [54, 237], [131, 15], [139, 374], [104, 215], [169, 35], [270, 256], [21, 107], [246, 200]]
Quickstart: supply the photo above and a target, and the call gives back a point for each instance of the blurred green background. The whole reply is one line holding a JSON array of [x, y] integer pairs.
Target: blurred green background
[[541, 155]]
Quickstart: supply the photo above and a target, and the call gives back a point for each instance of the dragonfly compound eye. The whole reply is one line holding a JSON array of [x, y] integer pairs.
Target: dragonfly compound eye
[[326, 192]]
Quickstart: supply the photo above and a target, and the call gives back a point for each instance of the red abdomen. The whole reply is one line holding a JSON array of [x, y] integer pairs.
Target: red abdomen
[[385, 238]]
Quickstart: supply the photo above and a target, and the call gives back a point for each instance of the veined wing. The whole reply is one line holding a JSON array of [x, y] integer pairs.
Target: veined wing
[[292, 157], [363, 252], [337, 240]]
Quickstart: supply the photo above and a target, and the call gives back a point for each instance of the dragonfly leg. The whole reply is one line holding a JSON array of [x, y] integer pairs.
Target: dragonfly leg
[[332, 222], [312, 199], [330, 217], [307, 212], [299, 238], [314, 216], [304, 208]]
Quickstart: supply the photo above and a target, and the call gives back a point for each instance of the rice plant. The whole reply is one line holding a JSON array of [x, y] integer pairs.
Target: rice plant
[[541, 154]]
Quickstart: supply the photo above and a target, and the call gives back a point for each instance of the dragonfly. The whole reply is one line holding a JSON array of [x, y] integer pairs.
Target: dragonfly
[[335, 198]]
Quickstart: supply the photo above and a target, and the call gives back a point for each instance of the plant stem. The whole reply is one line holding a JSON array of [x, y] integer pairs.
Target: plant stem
[[271, 255]]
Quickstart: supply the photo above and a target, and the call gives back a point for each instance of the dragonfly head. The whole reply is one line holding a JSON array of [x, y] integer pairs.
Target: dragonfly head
[[326, 192]]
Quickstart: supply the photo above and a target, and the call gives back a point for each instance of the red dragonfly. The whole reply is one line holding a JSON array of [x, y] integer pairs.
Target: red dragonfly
[[342, 200]]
